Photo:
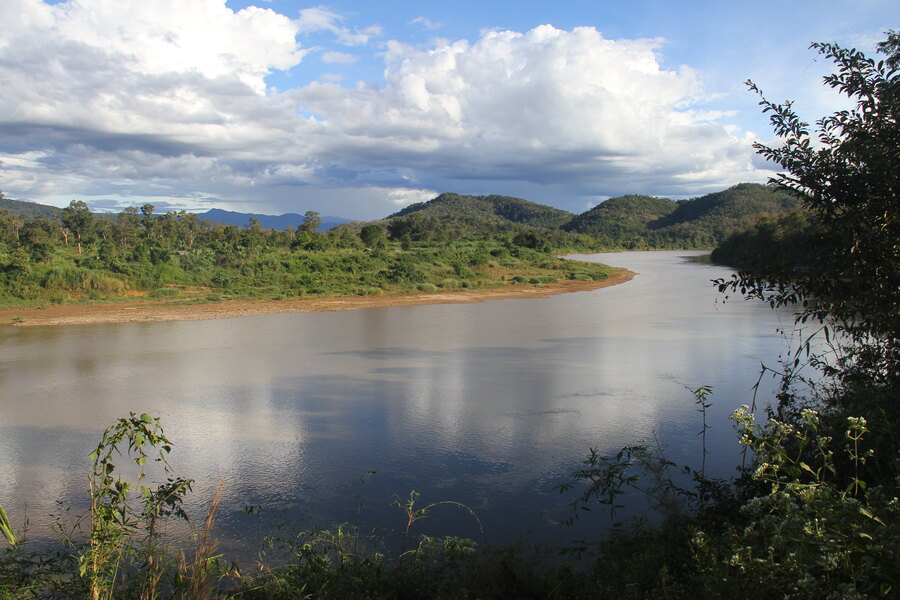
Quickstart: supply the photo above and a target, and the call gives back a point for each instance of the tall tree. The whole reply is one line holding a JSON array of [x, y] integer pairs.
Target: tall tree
[[311, 223], [128, 224], [78, 219], [147, 219]]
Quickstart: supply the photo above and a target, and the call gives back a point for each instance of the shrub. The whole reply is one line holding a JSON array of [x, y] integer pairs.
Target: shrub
[[166, 292], [580, 277]]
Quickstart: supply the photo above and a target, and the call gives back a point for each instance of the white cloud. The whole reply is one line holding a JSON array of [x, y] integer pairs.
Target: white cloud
[[339, 58], [426, 23], [406, 196], [546, 106], [321, 18], [168, 36]]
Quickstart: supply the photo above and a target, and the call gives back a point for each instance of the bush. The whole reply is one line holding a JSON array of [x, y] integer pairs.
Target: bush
[[166, 292]]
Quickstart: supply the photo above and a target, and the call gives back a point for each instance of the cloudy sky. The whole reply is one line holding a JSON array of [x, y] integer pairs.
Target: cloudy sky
[[355, 108]]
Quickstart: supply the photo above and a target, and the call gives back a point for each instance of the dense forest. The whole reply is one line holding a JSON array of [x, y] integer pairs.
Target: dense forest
[[794, 239], [813, 513]]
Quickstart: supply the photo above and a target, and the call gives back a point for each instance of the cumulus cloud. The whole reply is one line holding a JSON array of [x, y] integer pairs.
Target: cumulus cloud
[[545, 106], [169, 99]]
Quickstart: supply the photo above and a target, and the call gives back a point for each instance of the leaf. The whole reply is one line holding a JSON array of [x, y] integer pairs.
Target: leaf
[[6, 528], [867, 513]]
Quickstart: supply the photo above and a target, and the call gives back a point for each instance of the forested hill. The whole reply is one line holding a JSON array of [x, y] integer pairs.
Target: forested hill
[[29, 210], [478, 215], [648, 222], [624, 221]]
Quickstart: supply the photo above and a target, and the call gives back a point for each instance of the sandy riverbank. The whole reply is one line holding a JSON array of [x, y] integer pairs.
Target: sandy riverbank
[[159, 310]]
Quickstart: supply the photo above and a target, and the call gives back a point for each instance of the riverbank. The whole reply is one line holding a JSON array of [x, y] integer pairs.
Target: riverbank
[[147, 310]]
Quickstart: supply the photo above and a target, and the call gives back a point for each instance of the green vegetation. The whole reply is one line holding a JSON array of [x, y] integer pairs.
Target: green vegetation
[[74, 255], [787, 241], [814, 514], [175, 256], [641, 222], [484, 215], [28, 210]]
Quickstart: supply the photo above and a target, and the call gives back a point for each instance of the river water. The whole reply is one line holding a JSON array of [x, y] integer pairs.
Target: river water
[[488, 404]]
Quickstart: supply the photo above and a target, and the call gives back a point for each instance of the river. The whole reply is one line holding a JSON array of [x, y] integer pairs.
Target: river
[[487, 404]]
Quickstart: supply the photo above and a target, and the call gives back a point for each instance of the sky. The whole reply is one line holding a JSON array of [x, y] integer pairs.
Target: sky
[[355, 109]]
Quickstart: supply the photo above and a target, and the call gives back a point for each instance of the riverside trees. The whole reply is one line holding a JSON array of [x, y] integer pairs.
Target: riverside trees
[[847, 174]]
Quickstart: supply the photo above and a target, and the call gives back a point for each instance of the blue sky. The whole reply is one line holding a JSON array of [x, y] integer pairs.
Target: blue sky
[[355, 108]]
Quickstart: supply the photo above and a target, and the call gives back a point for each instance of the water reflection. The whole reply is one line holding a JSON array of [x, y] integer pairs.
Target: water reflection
[[487, 404]]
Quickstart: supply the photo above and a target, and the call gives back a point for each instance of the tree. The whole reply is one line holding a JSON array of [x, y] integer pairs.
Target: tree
[[128, 224], [147, 219], [78, 219], [848, 178], [311, 223], [372, 235]]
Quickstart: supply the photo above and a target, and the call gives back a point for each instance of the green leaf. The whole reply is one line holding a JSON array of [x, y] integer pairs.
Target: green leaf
[[6, 528]]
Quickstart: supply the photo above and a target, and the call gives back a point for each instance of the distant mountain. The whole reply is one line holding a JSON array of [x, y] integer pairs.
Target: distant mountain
[[28, 210], [279, 222], [644, 221], [467, 215]]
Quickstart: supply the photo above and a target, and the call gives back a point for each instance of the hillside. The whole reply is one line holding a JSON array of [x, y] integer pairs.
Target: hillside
[[29, 210], [647, 222], [480, 215], [622, 221]]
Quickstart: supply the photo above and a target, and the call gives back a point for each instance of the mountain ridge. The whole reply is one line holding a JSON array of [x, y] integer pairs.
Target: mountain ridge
[[629, 221]]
